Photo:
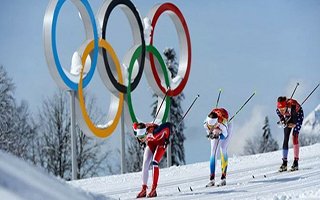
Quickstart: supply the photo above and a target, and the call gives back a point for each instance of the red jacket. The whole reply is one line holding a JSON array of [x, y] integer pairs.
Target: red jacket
[[291, 103], [159, 136]]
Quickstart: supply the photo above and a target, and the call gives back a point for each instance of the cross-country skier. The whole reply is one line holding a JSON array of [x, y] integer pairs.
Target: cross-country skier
[[156, 139], [219, 131], [291, 117]]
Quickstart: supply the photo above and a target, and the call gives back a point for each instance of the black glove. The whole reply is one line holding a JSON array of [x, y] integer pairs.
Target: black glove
[[212, 136], [282, 123], [166, 142], [142, 144]]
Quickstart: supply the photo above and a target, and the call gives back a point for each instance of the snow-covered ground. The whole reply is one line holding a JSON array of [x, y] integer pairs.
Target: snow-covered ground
[[22, 181], [249, 177]]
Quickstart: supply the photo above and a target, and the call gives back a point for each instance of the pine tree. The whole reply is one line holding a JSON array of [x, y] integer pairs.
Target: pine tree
[[267, 143], [263, 144], [176, 113]]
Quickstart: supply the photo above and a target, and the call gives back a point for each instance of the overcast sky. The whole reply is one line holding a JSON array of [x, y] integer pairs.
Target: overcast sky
[[240, 46]]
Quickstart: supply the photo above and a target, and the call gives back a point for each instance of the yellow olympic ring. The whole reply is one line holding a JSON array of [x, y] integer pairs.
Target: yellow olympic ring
[[107, 131]]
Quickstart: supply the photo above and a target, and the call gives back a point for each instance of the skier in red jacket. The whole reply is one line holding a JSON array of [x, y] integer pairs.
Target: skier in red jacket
[[219, 131], [291, 117], [156, 139]]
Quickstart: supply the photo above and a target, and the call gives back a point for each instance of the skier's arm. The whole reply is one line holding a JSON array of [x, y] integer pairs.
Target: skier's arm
[[282, 121], [224, 131], [294, 115], [207, 129], [297, 128], [162, 132], [212, 132], [280, 116]]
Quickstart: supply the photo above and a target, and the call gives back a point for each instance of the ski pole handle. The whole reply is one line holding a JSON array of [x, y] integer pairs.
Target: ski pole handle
[[294, 91], [220, 90]]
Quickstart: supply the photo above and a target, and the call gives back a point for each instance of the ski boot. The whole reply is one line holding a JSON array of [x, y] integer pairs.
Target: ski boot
[[153, 192], [294, 166], [211, 182], [283, 167], [143, 192], [223, 182]]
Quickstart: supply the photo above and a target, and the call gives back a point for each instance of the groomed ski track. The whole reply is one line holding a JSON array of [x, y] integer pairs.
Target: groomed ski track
[[267, 183]]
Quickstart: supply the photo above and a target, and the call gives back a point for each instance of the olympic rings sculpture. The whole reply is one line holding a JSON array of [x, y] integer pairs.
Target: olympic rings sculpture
[[104, 57]]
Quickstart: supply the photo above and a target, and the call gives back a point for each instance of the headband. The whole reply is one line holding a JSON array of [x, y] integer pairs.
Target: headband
[[282, 104], [211, 121]]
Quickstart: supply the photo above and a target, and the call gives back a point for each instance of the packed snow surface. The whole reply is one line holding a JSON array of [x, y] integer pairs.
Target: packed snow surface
[[249, 177]]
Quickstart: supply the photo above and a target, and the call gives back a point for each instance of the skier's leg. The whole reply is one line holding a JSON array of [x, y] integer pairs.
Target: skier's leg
[[285, 147], [147, 156], [295, 134], [213, 158], [155, 163], [224, 152], [295, 140]]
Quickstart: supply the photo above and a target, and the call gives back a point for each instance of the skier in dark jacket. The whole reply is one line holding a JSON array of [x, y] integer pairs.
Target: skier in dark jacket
[[291, 117]]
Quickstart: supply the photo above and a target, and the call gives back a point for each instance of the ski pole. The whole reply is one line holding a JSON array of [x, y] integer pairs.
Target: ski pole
[[188, 110], [310, 94], [242, 106], [218, 97], [165, 95], [292, 95], [294, 91]]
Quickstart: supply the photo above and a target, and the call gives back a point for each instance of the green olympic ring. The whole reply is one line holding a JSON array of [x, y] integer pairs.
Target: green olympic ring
[[151, 49]]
